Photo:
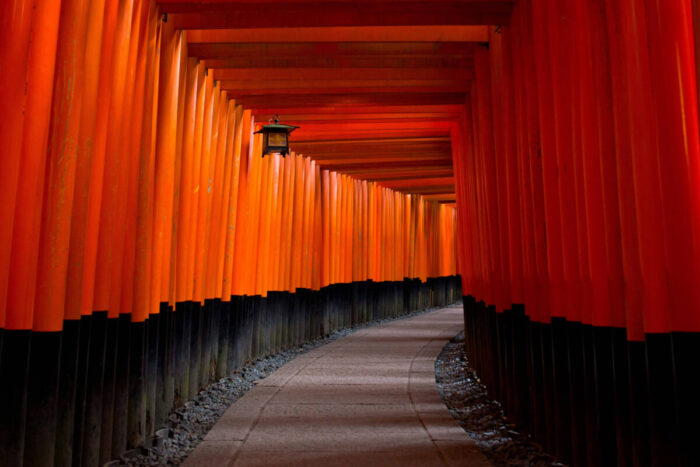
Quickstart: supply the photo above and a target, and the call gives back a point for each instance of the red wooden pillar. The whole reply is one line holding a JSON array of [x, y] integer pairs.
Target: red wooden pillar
[[238, 282], [187, 182], [97, 165], [533, 166], [522, 174], [553, 119], [481, 194], [113, 140], [25, 97], [552, 226], [465, 256], [585, 433], [608, 296], [27, 216], [674, 93], [603, 211], [326, 265], [640, 205], [580, 139], [15, 23], [62, 160], [561, 75], [43, 388], [173, 251], [673, 81], [128, 169], [232, 211], [79, 223], [696, 41], [492, 182], [473, 194], [141, 107], [501, 144], [203, 189], [642, 156], [144, 223], [509, 186], [534, 242]]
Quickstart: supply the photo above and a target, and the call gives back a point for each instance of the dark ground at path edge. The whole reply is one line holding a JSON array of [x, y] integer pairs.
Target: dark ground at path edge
[[481, 417]]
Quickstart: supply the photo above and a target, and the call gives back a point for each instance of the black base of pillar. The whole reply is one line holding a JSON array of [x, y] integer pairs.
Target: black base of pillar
[[103, 385], [42, 393], [586, 393]]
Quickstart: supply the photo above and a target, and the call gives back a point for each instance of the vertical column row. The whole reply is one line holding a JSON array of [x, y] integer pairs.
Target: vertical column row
[[576, 157]]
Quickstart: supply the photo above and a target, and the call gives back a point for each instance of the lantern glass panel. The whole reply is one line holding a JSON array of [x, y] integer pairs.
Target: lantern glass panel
[[277, 139]]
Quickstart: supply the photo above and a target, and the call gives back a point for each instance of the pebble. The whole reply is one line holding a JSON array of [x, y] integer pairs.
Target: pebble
[[481, 417]]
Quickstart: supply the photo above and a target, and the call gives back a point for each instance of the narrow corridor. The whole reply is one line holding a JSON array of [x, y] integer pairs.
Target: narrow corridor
[[189, 187], [367, 399]]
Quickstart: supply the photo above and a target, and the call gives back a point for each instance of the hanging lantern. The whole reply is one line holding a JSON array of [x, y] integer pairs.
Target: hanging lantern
[[276, 137]]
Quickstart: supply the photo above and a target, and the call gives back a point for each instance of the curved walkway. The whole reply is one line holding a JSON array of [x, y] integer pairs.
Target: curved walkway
[[366, 399]]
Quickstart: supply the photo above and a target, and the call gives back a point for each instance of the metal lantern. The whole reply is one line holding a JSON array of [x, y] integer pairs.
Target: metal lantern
[[276, 137]]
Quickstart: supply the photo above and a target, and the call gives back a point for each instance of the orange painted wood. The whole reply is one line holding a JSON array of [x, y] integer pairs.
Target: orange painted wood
[[306, 14], [532, 175], [193, 233], [122, 266], [187, 182], [550, 191], [276, 223], [234, 48], [632, 174], [307, 230], [503, 98], [108, 153], [318, 249], [143, 303], [356, 257], [203, 190], [217, 172], [326, 270], [243, 210], [562, 155], [674, 81], [25, 227], [286, 230], [170, 198], [342, 226], [15, 27], [262, 256], [226, 143], [523, 121], [165, 165], [61, 167], [139, 107], [297, 227], [253, 252], [232, 213], [376, 73], [345, 62], [396, 34], [491, 178]]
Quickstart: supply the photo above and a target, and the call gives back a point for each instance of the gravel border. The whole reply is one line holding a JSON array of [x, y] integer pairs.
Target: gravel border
[[189, 424], [481, 417]]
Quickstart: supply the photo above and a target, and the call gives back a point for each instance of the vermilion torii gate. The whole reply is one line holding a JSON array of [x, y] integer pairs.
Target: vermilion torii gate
[[545, 150]]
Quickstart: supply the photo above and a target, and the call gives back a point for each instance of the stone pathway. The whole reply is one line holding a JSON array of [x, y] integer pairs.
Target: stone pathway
[[367, 399]]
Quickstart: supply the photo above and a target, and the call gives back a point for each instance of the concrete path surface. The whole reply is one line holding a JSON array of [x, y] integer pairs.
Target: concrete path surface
[[363, 400]]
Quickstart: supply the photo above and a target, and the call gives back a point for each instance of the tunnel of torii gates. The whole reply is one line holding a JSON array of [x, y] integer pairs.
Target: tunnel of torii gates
[[546, 151]]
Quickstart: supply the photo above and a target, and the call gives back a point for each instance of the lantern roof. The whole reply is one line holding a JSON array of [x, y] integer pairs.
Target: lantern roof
[[277, 126]]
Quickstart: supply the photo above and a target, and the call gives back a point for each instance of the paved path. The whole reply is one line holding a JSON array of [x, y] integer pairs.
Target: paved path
[[366, 399]]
